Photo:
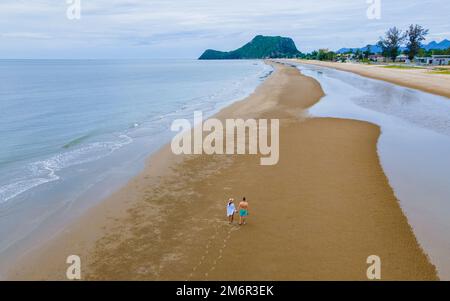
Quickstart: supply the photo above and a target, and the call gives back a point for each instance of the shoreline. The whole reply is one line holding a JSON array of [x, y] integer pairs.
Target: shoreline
[[419, 79], [123, 165], [158, 226], [408, 142]]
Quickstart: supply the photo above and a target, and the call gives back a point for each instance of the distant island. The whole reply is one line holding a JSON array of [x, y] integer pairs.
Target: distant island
[[261, 47]]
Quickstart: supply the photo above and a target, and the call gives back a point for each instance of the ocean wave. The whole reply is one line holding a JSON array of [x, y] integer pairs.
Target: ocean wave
[[76, 141], [10, 191], [81, 151], [44, 171]]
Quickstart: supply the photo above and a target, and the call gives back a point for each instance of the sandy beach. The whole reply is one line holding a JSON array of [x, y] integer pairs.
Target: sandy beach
[[416, 78], [316, 215]]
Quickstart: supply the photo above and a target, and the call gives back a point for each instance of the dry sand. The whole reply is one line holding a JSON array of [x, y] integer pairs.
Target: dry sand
[[421, 79], [317, 214]]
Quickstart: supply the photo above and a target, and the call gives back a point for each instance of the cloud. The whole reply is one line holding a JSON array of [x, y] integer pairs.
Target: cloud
[[150, 28]]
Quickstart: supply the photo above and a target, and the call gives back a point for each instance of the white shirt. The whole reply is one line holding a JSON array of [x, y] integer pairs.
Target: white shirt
[[230, 209]]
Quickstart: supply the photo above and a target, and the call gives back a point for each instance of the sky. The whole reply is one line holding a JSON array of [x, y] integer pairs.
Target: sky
[[184, 28]]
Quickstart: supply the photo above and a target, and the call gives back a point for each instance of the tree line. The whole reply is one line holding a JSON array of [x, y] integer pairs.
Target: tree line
[[390, 45], [394, 38]]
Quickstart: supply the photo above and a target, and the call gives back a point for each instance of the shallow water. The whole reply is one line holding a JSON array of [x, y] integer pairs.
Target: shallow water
[[72, 131], [414, 147]]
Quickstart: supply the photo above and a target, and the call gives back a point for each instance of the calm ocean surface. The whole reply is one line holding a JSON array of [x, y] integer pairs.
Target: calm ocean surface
[[67, 126]]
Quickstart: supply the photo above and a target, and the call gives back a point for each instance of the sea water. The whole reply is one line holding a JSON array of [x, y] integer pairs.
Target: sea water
[[73, 131], [414, 147]]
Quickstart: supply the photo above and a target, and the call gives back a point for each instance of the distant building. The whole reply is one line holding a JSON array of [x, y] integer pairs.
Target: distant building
[[423, 60], [433, 60], [346, 57], [402, 58], [376, 58], [440, 59]]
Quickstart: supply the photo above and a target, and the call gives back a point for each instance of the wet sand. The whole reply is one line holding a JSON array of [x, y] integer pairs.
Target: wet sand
[[421, 79], [316, 215]]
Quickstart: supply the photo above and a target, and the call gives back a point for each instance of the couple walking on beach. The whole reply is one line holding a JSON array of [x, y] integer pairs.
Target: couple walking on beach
[[242, 209]]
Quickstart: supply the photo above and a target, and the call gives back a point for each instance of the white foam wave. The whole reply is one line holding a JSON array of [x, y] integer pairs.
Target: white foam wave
[[44, 171]]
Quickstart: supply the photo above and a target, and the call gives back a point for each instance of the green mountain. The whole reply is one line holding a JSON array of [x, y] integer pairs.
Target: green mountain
[[261, 47]]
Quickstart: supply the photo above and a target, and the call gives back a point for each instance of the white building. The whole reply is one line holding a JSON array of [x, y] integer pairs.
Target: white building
[[440, 59], [433, 60], [376, 58], [402, 58]]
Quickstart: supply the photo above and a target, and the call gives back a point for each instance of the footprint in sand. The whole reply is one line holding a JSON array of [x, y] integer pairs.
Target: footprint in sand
[[219, 257]]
